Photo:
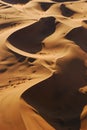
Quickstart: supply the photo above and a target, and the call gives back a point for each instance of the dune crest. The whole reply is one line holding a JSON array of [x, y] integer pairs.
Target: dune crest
[[43, 65]]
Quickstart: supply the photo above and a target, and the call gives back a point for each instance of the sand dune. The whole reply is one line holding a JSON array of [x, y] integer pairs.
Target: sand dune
[[16, 1], [43, 65]]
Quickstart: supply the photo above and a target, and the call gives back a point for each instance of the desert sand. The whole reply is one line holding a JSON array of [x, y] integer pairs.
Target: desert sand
[[43, 65]]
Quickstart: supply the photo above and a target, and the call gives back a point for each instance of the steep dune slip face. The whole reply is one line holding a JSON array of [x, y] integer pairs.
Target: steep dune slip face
[[43, 65]]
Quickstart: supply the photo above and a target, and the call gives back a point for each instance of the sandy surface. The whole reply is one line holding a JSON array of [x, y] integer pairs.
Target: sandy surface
[[43, 65]]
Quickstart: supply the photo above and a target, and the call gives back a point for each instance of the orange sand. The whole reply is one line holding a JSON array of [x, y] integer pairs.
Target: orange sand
[[43, 65]]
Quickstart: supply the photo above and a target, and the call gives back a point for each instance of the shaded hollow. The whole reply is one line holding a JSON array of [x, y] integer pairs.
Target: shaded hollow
[[45, 6], [66, 11], [79, 36], [64, 0], [16, 1], [57, 98], [30, 38]]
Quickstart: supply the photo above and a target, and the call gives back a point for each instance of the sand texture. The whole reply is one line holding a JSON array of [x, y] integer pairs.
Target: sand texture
[[43, 65]]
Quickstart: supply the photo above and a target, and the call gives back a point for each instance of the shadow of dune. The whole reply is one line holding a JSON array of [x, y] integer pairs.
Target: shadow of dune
[[45, 5], [16, 1], [79, 36], [64, 0], [66, 11], [6, 25], [57, 99], [30, 38]]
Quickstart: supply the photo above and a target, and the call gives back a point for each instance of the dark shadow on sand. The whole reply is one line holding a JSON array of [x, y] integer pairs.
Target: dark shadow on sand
[[64, 0], [58, 100], [79, 36], [45, 6], [66, 11], [16, 1], [6, 25], [30, 38]]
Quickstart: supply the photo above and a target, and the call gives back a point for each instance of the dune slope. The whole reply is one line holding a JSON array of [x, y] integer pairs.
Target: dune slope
[[43, 65]]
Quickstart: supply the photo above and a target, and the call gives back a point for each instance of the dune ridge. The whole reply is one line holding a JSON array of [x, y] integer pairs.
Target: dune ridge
[[43, 65]]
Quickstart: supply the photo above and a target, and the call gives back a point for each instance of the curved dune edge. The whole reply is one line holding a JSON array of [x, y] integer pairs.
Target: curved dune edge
[[46, 89], [17, 112]]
